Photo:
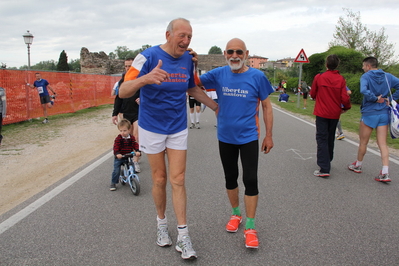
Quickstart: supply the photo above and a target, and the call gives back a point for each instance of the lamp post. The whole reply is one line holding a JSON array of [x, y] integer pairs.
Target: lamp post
[[28, 39], [274, 78]]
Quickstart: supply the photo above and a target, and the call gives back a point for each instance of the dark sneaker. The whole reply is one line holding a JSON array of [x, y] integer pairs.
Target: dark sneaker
[[383, 178], [192, 126], [112, 187], [320, 174], [185, 246], [354, 168]]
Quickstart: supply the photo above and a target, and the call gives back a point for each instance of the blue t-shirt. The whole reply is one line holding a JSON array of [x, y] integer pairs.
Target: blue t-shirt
[[239, 95], [163, 107], [41, 86]]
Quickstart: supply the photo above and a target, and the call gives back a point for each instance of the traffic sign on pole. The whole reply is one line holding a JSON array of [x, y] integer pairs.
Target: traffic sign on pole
[[301, 57]]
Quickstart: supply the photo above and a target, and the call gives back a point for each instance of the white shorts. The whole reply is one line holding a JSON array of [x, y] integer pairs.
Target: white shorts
[[153, 143]]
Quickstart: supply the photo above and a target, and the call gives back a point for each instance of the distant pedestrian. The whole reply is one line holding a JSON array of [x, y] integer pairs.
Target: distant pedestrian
[[305, 92], [3, 109], [195, 112], [329, 91], [283, 97], [46, 100], [375, 85]]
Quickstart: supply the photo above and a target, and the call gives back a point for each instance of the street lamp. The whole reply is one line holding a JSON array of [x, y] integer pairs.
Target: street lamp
[[28, 39], [274, 78]]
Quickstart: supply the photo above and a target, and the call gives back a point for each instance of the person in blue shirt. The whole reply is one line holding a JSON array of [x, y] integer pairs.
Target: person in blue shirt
[[42, 87], [283, 97], [240, 90], [164, 74], [375, 85]]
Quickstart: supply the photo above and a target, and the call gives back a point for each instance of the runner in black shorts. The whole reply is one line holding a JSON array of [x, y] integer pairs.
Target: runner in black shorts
[[194, 116]]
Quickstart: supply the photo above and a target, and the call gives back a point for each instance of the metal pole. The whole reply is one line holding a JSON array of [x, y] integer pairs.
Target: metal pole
[[28, 56], [299, 84]]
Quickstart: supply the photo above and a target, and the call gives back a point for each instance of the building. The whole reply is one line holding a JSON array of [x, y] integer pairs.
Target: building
[[256, 61]]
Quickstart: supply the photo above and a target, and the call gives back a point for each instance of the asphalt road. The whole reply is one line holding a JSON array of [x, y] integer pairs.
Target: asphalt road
[[346, 219]]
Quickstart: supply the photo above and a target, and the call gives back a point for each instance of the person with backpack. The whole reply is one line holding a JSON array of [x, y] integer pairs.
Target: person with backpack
[[305, 92]]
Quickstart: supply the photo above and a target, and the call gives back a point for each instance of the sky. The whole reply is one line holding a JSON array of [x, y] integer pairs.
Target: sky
[[272, 29]]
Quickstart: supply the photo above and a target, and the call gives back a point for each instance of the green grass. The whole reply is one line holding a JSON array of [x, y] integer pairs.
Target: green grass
[[349, 120]]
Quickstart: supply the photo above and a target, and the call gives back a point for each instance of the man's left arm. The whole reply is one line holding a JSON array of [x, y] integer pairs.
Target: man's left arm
[[48, 86], [200, 96], [267, 109]]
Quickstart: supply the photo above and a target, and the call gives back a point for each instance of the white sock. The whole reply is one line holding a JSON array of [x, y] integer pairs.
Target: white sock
[[163, 221], [358, 163], [384, 170], [182, 230], [192, 117], [198, 117]]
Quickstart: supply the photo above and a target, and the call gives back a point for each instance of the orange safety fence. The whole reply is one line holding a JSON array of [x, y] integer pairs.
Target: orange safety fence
[[74, 91]]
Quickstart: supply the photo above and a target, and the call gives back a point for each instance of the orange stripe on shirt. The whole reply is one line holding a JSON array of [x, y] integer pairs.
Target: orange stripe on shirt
[[131, 74]]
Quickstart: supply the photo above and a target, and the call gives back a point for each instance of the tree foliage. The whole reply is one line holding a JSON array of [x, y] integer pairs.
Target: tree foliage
[[50, 65], [74, 65], [350, 32], [63, 62], [123, 52], [350, 67], [215, 50]]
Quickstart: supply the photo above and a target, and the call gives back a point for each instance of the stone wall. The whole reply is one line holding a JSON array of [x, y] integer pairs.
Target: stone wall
[[207, 62], [99, 63]]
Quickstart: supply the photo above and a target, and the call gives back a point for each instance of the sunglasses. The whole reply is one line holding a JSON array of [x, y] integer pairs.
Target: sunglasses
[[238, 52]]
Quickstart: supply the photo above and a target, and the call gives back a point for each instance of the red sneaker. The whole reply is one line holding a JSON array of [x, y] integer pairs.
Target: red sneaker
[[251, 238], [234, 223]]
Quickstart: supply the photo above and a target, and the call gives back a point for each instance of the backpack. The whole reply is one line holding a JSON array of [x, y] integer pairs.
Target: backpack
[[304, 87]]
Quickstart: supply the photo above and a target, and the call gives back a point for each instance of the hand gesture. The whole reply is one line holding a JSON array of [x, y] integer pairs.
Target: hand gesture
[[157, 75]]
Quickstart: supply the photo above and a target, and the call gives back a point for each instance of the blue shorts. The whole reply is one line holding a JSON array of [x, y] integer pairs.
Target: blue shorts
[[375, 121]]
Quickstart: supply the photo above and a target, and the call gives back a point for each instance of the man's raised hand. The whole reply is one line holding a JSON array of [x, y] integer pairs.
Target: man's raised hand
[[157, 75]]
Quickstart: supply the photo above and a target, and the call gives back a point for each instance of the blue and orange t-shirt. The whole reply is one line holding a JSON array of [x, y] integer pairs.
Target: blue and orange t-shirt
[[163, 107]]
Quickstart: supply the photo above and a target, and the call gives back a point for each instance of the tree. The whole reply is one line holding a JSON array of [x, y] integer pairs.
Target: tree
[[74, 65], [215, 50], [63, 62], [124, 52], [43, 65], [351, 33]]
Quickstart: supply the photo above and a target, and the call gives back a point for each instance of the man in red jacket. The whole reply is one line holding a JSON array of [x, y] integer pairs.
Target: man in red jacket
[[329, 91]]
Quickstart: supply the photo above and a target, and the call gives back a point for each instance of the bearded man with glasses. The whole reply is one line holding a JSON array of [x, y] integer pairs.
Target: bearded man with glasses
[[240, 89]]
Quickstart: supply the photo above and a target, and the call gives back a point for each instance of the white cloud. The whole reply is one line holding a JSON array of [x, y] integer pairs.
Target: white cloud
[[273, 29]]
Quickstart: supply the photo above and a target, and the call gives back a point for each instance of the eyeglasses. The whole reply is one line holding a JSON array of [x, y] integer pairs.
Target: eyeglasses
[[238, 52]]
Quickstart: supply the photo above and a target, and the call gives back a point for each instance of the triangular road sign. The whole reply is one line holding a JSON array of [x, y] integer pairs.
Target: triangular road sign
[[301, 57]]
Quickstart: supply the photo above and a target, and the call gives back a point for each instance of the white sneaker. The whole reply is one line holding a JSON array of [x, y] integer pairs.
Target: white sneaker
[[136, 167], [163, 238], [185, 246], [45, 121]]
